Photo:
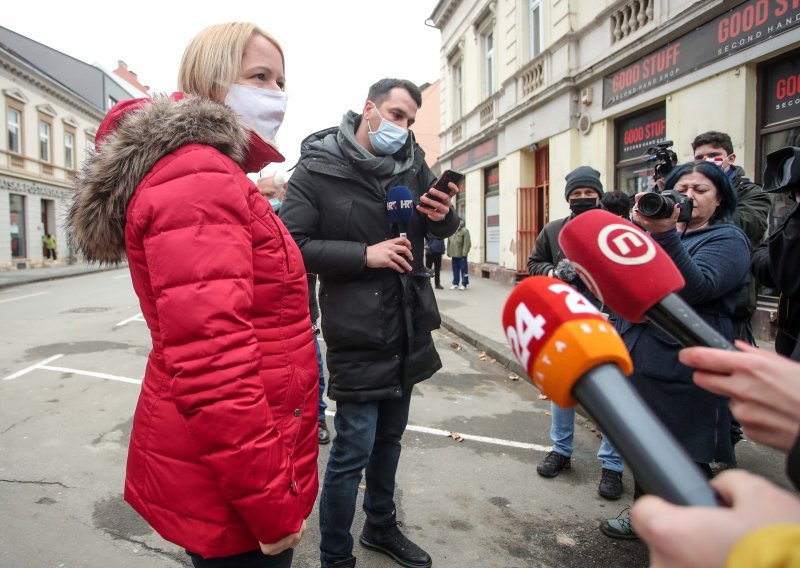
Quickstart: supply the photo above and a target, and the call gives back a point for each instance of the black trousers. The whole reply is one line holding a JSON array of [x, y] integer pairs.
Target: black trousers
[[434, 259], [638, 491], [252, 559]]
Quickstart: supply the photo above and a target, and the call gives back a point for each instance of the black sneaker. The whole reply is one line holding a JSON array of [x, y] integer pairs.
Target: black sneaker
[[621, 527], [610, 486], [394, 543], [552, 464], [323, 435], [347, 563]]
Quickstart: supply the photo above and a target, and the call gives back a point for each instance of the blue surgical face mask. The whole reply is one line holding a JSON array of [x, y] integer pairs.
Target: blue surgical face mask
[[276, 204], [389, 137]]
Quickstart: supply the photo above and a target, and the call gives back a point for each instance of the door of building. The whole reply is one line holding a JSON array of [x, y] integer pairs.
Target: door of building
[[532, 209]]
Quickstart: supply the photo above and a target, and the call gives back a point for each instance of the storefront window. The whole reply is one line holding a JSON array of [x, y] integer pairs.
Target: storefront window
[[16, 223], [780, 118], [635, 134], [492, 213]]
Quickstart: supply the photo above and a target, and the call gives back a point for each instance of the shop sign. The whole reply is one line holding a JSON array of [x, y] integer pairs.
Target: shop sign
[[781, 93], [746, 25], [476, 155], [31, 188], [638, 133]]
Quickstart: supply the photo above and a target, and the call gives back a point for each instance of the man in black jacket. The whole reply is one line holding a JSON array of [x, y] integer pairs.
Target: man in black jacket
[[378, 307]]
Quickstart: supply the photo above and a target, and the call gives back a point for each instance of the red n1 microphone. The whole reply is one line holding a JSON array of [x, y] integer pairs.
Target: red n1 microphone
[[628, 271], [573, 354]]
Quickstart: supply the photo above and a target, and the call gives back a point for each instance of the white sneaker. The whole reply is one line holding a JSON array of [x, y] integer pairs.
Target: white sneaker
[[454, 287], [462, 287]]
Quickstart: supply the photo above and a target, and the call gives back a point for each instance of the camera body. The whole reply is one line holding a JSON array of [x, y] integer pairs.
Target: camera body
[[661, 205], [782, 171], [664, 158]]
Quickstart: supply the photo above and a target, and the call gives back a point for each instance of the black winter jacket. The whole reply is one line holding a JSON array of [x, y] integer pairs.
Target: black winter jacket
[[376, 322]]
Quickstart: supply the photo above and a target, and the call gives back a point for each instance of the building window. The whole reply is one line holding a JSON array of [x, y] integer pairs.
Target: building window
[[488, 63], [111, 102], [14, 118], [535, 27], [458, 91], [69, 150], [44, 141]]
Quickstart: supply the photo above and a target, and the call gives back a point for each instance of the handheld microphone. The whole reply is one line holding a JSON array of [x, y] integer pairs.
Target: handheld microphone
[[571, 353], [625, 269], [400, 207]]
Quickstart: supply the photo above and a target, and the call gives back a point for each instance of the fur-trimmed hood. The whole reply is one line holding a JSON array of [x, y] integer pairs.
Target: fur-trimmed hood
[[133, 137]]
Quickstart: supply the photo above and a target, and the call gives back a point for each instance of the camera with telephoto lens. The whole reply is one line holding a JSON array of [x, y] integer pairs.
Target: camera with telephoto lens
[[661, 205], [782, 171], [664, 158]]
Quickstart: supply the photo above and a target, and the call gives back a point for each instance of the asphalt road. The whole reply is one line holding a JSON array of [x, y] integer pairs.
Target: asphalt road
[[75, 349]]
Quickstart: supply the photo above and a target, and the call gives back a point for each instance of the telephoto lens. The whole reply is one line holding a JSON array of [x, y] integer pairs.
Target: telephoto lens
[[656, 205]]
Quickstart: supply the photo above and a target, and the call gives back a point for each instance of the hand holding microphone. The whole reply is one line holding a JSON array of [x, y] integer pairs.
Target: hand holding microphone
[[625, 269], [572, 353], [395, 253]]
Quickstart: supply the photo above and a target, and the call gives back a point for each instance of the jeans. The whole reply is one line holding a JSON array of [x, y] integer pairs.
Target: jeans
[[562, 430], [434, 260], [460, 268], [322, 404], [253, 559], [368, 436]]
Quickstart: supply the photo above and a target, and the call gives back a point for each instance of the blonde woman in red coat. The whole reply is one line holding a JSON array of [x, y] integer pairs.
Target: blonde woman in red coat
[[223, 452]]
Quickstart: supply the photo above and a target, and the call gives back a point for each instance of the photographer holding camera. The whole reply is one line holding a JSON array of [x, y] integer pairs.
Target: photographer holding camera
[[775, 263], [713, 255], [664, 158]]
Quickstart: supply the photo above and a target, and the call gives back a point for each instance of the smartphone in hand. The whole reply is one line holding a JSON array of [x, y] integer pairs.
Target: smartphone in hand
[[442, 183]]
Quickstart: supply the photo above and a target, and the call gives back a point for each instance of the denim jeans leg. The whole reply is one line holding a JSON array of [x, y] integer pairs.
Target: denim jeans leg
[[464, 271], [454, 262], [355, 434], [322, 404], [562, 429], [609, 457], [382, 467]]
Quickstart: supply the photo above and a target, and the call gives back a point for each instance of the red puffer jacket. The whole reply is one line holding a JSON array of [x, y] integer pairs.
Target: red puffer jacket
[[223, 452]]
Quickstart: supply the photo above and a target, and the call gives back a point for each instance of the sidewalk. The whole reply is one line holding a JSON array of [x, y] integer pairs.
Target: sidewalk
[[10, 278], [475, 315]]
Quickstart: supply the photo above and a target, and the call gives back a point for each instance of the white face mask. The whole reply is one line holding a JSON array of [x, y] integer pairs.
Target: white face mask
[[260, 109]]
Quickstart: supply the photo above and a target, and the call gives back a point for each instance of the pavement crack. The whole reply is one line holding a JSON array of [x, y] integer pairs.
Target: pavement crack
[[35, 482], [180, 558]]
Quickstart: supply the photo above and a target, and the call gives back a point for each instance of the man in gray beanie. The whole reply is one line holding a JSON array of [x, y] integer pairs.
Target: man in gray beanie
[[583, 192]]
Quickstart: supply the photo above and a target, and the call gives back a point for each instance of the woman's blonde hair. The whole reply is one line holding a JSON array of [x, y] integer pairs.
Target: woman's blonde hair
[[213, 58]]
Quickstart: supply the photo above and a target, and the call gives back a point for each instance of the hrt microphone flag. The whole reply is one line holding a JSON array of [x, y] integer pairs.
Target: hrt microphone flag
[[400, 207], [631, 273], [572, 354]]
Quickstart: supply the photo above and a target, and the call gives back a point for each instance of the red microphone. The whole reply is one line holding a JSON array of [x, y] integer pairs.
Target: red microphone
[[628, 271], [572, 354]]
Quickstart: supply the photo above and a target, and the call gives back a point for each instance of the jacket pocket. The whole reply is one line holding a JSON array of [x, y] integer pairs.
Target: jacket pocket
[[293, 408], [425, 313], [352, 315]]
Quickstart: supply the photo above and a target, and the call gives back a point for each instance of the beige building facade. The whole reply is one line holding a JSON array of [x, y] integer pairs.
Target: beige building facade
[[532, 89]]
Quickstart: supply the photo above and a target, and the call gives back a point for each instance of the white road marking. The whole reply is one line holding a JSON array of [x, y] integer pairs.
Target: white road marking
[[93, 374], [137, 317], [412, 427], [23, 297], [484, 439], [27, 370]]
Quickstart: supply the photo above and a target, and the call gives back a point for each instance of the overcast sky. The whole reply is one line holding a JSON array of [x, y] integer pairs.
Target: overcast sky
[[335, 49]]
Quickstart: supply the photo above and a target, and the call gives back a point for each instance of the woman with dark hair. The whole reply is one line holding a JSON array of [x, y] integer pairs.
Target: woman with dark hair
[[713, 256]]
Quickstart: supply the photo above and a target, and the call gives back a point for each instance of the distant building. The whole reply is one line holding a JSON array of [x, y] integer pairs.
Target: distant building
[[52, 105], [534, 88], [426, 126]]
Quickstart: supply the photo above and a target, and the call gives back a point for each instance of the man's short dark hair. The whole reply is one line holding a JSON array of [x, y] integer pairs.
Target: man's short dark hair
[[379, 92], [617, 202], [715, 139]]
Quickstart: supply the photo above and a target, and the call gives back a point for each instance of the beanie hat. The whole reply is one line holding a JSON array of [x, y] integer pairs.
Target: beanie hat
[[583, 176]]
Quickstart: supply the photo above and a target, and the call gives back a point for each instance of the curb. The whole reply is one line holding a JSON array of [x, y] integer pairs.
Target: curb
[[46, 277], [485, 344]]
